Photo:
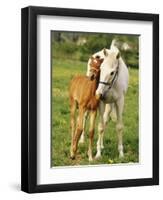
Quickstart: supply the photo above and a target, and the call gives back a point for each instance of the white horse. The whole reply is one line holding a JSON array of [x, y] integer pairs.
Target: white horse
[[111, 90], [109, 108]]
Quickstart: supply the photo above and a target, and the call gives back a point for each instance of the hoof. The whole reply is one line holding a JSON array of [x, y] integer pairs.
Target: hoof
[[98, 156], [90, 159], [72, 157], [121, 155], [89, 156]]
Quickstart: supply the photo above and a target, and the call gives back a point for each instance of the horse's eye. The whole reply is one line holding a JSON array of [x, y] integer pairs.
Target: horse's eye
[[98, 57], [111, 73]]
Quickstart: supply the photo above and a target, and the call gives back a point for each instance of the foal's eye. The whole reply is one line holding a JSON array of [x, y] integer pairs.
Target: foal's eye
[[111, 73]]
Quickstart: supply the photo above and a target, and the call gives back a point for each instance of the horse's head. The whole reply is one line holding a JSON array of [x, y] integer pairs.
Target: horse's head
[[95, 64], [109, 69]]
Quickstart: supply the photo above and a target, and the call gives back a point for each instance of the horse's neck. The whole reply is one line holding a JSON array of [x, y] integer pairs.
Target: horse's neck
[[122, 79], [122, 64]]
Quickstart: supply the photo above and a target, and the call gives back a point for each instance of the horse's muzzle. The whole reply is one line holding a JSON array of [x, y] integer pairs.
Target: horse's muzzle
[[102, 97]]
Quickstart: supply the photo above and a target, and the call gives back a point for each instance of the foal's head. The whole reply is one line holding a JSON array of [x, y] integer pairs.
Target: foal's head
[[95, 67]]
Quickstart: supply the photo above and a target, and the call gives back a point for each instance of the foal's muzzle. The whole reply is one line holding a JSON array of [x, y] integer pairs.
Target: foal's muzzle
[[98, 96]]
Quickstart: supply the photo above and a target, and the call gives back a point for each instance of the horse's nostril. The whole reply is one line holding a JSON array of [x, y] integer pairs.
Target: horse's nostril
[[102, 97], [111, 73]]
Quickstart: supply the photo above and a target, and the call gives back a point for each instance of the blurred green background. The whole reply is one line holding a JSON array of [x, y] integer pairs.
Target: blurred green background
[[79, 46]]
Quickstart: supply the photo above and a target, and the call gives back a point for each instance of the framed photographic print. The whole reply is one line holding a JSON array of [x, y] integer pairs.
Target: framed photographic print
[[90, 99]]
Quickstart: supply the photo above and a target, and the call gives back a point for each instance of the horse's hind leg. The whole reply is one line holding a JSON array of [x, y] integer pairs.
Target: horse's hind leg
[[91, 133], [113, 113], [84, 125], [119, 125]]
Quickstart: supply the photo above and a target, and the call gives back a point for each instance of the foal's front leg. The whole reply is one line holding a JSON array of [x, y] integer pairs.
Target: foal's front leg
[[78, 132], [119, 125]]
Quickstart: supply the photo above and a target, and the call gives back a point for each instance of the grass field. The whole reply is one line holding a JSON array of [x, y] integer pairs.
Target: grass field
[[62, 72]]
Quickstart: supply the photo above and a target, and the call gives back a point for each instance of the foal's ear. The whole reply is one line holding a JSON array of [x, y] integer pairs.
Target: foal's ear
[[105, 52], [91, 58], [118, 55]]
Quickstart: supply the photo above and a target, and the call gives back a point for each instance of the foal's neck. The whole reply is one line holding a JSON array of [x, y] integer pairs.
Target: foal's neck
[[95, 83]]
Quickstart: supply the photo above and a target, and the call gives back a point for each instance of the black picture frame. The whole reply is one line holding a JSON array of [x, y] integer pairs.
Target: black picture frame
[[29, 98]]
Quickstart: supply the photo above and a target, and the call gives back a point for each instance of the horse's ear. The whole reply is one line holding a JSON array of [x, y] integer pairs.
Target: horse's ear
[[118, 55], [105, 52]]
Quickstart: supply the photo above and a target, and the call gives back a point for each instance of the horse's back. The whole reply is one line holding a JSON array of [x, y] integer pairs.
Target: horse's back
[[124, 76]]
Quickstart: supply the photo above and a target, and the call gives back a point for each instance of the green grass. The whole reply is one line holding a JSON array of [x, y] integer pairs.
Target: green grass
[[62, 72]]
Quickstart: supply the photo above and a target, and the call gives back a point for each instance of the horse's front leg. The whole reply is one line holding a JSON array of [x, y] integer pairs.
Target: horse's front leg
[[119, 125], [100, 129], [106, 115], [91, 133]]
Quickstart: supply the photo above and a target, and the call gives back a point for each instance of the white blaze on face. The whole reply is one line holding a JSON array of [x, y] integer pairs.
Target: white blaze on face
[[107, 73], [103, 78]]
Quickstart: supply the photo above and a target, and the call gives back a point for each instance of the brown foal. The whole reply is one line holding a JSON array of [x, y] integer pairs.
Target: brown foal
[[82, 95]]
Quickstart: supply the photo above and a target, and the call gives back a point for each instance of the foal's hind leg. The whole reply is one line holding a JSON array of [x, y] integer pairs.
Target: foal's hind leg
[[72, 119], [119, 125]]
